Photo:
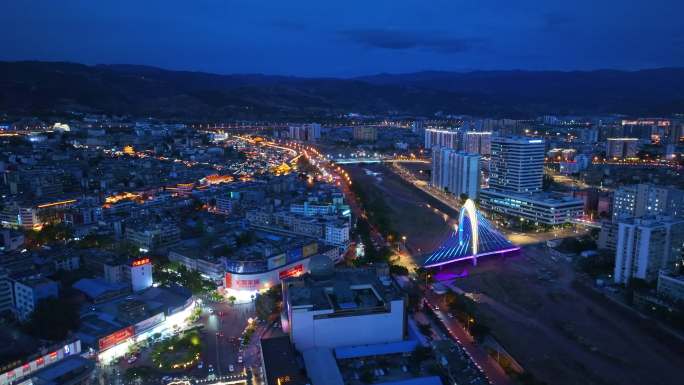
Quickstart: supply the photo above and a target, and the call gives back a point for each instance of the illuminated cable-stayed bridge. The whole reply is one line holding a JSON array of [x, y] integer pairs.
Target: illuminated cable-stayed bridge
[[474, 237]]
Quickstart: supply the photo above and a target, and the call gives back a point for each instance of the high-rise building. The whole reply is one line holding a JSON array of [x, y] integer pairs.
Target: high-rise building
[[516, 165], [365, 133], [478, 142], [309, 132], [418, 126], [634, 201], [6, 296], [621, 148], [516, 171], [647, 245], [456, 171], [441, 138]]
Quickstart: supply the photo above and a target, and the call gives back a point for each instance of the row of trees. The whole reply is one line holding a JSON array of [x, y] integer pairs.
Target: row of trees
[[467, 313], [173, 273]]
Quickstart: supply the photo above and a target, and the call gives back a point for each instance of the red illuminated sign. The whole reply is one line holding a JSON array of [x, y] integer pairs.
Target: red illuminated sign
[[247, 283], [229, 280], [291, 272], [140, 262], [115, 338]]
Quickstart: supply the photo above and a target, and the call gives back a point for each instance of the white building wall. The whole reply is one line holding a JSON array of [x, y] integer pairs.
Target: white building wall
[[141, 277], [308, 332]]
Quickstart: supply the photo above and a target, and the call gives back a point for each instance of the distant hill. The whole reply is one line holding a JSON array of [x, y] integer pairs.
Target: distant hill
[[49, 87]]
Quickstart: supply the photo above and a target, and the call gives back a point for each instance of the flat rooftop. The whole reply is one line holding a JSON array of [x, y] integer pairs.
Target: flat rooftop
[[342, 289], [280, 361]]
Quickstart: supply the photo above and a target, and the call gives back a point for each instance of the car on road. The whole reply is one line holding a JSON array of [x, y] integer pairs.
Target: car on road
[[132, 359], [231, 368], [200, 365], [239, 359], [211, 368]]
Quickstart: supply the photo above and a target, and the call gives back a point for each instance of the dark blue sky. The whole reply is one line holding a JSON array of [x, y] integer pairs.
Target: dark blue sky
[[347, 38]]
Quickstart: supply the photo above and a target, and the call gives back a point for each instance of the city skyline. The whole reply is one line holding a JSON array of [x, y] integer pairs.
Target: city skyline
[[398, 192]]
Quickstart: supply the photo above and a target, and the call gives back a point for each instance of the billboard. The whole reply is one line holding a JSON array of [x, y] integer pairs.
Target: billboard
[[291, 272], [140, 262], [310, 249], [116, 337], [294, 254], [246, 284], [276, 261], [19, 369], [149, 323], [228, 281]]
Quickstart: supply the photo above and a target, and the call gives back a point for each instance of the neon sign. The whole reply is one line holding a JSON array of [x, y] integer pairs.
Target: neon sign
[[293, 272], [140, 262]]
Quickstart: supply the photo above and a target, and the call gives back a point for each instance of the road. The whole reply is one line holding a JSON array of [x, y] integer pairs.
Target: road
[[221, 348], [221, 333], [489, 366]]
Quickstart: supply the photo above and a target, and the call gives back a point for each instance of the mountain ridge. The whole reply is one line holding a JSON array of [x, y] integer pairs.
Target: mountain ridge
[[49, 87]]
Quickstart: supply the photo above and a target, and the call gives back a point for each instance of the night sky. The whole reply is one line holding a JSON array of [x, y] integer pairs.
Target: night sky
[[347, 38]]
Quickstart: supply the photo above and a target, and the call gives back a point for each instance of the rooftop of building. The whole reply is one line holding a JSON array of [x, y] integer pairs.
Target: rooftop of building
[[652, 220], [35, 282], [97, 287], [341, 289], [246, 246], [101, 319], [71, 370], [280, 361], [673, 276], [518, 139], [15, 346], [547, 197]]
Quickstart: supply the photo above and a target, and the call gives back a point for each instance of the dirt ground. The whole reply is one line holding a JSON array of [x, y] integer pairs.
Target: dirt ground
[[561, 335]]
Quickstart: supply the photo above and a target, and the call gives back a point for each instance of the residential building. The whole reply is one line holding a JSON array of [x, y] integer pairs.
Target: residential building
[[10, 240], [6, 293], [441, 138], [638, 200], [337, 233], [671, 286], [28, 292], [621, 148], [647, 245], [478, 142], [365, 133], [150, 236], [456, 172], [310, 132], [607, 239]]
